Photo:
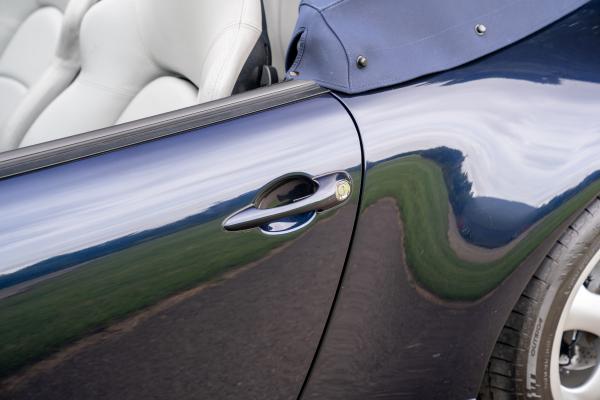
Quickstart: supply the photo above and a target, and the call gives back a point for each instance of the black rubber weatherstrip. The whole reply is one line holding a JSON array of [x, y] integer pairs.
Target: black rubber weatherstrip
[[115, 137]]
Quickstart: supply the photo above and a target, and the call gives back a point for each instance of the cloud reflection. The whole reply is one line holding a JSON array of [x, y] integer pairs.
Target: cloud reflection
[[540, 148], [85, 203]]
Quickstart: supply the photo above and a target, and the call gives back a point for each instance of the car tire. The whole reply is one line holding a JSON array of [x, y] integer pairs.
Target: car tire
[[521, 363]]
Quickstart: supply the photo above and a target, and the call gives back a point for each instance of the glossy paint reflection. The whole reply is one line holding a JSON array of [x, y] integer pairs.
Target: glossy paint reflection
[[117, 279], [471, 176]]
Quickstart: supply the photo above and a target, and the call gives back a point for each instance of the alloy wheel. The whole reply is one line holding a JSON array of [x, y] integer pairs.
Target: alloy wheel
[[576, 348]]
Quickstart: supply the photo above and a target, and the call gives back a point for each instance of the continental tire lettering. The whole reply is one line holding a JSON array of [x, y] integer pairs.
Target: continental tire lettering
[[536, 337]]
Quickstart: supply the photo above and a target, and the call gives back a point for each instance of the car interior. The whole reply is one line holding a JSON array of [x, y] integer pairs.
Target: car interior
[[73, 66]]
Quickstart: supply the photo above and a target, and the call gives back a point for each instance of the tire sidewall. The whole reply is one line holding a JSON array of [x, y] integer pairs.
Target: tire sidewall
[[542, 326]]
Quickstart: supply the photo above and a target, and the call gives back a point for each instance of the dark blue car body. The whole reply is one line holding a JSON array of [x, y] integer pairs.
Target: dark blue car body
[[121, 282]]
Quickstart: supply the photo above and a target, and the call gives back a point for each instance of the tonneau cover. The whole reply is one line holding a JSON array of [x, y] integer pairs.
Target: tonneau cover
[[404, 39]]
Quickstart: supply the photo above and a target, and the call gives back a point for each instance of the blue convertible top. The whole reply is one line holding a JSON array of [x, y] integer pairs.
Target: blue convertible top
[[358, 45]]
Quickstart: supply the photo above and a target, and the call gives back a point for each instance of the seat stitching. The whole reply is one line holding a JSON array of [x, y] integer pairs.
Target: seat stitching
[[230, 54], [222, 33], [241, 24], [116, 90]]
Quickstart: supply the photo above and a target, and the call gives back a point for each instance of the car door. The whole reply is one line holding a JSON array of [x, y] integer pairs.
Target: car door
[[190, 255]]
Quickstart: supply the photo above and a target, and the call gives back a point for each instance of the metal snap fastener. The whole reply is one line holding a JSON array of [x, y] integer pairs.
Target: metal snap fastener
[[342, 190], [362, 62], [480, 29]]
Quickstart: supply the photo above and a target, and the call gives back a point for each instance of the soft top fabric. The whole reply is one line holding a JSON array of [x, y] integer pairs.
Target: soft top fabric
[[402, 40]]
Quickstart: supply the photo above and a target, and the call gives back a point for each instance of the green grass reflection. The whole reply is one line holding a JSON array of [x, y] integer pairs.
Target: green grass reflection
[[417, 185], [85, 300]]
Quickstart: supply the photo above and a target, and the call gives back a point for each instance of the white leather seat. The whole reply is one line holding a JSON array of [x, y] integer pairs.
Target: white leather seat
[[144, 57], [35, 35], [29, 32], [281, 16]]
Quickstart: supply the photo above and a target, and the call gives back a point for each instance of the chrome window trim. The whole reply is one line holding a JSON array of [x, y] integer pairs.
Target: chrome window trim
[[91, 143]]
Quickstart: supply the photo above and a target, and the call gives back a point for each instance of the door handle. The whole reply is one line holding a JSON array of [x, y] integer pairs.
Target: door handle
[[331, 190]]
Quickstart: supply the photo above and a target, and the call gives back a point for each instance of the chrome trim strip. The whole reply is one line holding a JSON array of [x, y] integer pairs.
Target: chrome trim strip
[[115, 137]]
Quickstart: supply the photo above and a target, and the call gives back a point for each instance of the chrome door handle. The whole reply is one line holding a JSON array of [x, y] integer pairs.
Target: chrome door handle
[[331, 191]]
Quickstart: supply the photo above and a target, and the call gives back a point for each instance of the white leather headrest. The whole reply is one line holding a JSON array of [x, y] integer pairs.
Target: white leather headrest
[[14, 7], [14, 12], [137, 54], [60, 4], [180, 37], [113, 54], [175, 35]]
